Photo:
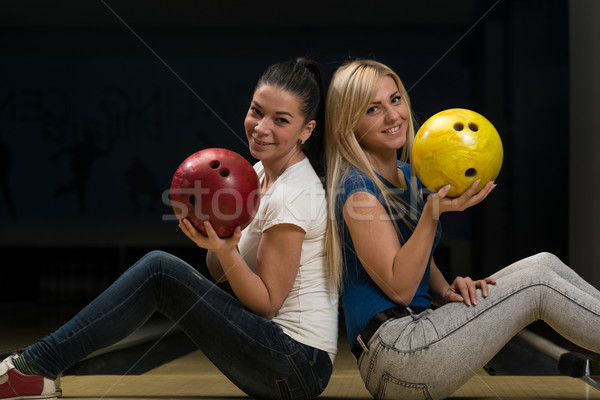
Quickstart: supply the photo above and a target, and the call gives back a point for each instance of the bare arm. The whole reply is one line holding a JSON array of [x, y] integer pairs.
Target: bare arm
[[398, 269], [214, 267], [463, 289], [438, 285], [278, 260]]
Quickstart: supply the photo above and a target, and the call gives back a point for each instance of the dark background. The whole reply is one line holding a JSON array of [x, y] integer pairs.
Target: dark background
[[101, 100]]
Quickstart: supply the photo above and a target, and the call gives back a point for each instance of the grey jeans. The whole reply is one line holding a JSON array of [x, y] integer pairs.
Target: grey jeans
[[430, 355]]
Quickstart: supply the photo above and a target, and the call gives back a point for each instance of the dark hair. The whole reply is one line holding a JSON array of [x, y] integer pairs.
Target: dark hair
[[302, 77]]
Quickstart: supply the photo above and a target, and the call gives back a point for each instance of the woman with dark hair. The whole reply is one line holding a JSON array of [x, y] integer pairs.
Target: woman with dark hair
[[276, 339]]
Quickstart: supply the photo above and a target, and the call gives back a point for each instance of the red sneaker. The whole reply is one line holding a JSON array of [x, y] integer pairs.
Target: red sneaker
[[15, 385]]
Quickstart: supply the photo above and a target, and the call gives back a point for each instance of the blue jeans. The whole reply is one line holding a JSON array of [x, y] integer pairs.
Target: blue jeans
[[251, 351], [430, 355]]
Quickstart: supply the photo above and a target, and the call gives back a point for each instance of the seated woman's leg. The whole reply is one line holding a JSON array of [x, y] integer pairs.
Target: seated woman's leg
[[438, 351], [252, 351]]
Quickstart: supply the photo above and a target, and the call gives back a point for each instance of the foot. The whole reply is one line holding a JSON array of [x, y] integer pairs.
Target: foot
[[16, 386]]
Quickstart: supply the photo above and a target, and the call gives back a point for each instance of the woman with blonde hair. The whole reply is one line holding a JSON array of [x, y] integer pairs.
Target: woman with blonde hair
[[381, 241]]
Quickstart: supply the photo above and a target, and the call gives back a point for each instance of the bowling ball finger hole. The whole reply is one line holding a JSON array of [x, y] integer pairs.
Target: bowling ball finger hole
[[471, 172], [473, 127], [192, 199], [459, 126], [224, 172], [215, 164]]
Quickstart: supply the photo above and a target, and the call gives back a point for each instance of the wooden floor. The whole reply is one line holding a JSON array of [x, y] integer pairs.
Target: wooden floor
[[194, 377]]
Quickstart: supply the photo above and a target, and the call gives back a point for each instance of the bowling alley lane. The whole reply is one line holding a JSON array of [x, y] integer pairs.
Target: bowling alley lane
[[193, 376], [525, 369]]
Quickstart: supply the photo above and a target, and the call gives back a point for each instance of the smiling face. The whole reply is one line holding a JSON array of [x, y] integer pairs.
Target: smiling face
[[275, 127], [383, 126]]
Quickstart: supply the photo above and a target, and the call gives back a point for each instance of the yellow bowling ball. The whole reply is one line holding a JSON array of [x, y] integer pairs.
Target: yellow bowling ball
[[457, 146]]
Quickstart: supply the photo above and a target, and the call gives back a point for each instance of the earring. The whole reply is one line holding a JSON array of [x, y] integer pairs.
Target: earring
[[302, 141]]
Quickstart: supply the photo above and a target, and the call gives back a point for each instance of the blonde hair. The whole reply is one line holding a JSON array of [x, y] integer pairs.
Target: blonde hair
[[351, 91]]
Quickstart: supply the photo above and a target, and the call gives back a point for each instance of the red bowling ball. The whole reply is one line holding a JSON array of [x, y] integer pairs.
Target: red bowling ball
[[217, 185]]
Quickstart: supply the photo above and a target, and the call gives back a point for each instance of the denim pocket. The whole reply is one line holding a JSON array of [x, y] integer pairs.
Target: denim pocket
[[313, 369], [394, 388], [284, 389], [319, 364]]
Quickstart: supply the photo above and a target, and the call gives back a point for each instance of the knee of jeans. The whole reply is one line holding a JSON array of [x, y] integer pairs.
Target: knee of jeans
[[543, 268], [535, 272], [547, 259], [160, 258], [156, 255], [149, 262]]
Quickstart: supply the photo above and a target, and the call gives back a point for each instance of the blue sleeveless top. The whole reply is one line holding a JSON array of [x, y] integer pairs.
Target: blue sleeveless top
[[361, 297]]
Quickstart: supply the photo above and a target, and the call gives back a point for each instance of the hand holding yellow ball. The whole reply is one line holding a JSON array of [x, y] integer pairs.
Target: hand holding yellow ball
[[457, 146]]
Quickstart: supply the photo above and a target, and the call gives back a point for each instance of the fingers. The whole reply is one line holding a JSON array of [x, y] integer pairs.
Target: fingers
[[187, 227], [469, 198], [210, 231], [444, 191], [472, 292], [467, 289], [461, 286], [237, 233], [217, 243], [484, 192], [484, 288], [466, 199], [472, 189], [455, 297], [434, 199], [483, 285]]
